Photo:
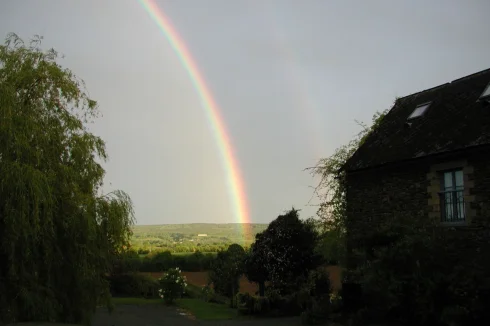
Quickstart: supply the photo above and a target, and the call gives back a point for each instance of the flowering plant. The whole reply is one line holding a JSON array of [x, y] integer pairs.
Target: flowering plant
[[172, 285]]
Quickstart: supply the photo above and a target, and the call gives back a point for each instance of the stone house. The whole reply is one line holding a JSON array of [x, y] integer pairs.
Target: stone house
[[429, 158]]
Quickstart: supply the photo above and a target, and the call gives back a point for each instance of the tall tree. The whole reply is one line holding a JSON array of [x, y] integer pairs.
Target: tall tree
[[226, 271], [255, 268], [58, 233], [286, 249]]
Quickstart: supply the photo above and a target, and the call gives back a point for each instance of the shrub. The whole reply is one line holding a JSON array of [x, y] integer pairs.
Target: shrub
[[251, 305], [304, 298], [207, 293], [133, 284], [313, 316], [319, 284], [192, 291], [286, 305], [262, 306], [172, 285], [336, 302], [426, 276], [245, 303]]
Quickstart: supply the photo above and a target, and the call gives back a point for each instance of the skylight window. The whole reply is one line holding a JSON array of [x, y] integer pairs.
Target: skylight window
[[419, 111], [486, 92]]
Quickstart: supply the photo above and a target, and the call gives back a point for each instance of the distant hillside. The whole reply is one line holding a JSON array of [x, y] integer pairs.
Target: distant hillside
[[191, 237]]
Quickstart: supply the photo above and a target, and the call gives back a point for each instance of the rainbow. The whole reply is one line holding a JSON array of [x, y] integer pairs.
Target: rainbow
[[235, 181]]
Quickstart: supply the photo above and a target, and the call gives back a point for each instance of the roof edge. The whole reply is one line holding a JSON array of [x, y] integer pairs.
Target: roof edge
[[445, 153], [448, 83]]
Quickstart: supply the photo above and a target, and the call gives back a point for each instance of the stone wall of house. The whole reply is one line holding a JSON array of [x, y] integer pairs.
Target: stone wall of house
[[411, 191], [481, 189], [374, 196]]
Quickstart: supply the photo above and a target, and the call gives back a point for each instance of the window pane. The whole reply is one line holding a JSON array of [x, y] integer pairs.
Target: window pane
[[486, 92], [448, 181], [449, 205], [458, 175]]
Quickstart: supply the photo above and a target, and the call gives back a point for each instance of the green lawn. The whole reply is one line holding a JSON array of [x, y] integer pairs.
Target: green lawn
[[135, 301], [198, 308], [207, 311]]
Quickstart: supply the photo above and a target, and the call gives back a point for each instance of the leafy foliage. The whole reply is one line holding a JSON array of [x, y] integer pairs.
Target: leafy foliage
[[58, 234], [254, 265], [133, 285], [208, 294], [286, 250], [172, 285], [251, 305], [331, 192], [195, 262], [226, 271], [183, 238], [417, 273]]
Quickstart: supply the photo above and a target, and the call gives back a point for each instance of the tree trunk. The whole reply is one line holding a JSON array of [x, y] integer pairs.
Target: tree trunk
[[261, 289]]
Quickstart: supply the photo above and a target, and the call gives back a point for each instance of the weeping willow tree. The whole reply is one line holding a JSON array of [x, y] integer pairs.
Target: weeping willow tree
[[331, 188], [58, 234]]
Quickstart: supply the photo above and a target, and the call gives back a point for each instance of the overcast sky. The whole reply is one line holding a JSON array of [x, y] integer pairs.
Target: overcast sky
[[290, 77]]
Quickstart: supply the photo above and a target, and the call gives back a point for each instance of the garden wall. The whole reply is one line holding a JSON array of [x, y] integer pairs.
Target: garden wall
[[201, 279]]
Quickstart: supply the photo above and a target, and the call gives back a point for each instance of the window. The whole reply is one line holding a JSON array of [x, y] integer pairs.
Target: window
[[486, 92], [452, 200], [419, 110]]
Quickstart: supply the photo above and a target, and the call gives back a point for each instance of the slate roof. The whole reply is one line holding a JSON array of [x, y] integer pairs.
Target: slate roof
[[455, 120]]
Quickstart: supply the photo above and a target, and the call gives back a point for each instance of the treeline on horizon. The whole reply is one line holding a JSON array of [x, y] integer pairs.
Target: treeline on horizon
[[131, 261], [184, 238]]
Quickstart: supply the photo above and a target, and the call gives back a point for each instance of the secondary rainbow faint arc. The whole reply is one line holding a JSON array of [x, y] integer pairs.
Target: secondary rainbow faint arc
[[234, 178]]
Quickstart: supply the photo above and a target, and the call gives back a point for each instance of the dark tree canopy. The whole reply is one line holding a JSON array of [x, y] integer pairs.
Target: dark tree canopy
[[226, 271], [286, 250], [58, 232], [255, 264]]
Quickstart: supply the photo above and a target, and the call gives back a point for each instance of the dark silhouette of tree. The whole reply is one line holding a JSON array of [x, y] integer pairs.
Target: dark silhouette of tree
[[226, 271], [255, 268], [59, 236], [286, 250]]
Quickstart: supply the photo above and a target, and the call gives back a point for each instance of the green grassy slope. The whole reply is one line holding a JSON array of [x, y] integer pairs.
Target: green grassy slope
[[169, 235]]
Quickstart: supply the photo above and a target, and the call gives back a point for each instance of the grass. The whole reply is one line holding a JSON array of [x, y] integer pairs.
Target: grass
[[206, 310], [135, 301], [200, 309], [193, 291]]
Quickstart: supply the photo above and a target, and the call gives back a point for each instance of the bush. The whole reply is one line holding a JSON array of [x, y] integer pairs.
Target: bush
[[192, 291], [304, 298], [288, 305], [262, 306], [336, 302], [164, 260], [319, 284], [245, 303], [314, 316], [172, 285], [209, 295], [133, 285], [251, 305], [426, 276]]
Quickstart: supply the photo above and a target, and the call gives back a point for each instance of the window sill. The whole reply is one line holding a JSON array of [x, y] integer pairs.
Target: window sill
[[455, 224]]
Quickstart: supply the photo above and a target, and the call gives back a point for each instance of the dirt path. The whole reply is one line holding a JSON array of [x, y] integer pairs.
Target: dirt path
[[160, 315]]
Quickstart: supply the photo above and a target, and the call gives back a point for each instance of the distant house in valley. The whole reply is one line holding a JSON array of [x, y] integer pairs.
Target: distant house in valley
[[429, 157], [202, 235]]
